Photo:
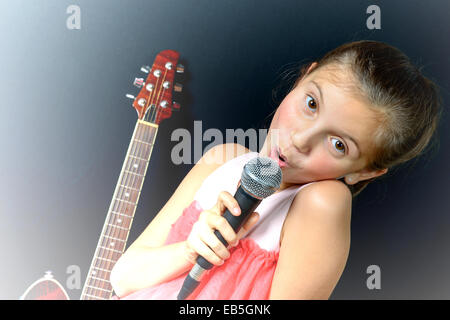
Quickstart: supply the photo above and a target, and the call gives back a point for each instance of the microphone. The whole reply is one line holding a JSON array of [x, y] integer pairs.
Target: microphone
[[260, 178]]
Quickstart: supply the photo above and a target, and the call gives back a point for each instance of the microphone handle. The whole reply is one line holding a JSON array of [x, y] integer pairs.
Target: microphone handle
[[248, 204]]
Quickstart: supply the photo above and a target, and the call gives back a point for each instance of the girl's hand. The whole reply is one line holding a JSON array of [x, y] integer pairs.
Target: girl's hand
[[202, 240]]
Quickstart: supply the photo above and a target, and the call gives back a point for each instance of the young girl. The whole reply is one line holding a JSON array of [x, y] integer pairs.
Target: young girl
[[360, 110]]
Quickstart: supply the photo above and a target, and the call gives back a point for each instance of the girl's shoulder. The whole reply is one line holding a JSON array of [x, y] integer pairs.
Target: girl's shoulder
[[326, 194], [314, 201], [316, 241], [327, 189]]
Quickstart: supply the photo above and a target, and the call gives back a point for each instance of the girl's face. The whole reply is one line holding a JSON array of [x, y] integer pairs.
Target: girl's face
[[321, 131]]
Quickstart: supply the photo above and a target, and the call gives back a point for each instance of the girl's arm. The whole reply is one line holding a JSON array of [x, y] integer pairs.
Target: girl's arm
[[140, 266], [315, 242]]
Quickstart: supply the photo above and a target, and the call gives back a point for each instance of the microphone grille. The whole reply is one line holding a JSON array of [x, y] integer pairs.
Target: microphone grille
[[261, 177]]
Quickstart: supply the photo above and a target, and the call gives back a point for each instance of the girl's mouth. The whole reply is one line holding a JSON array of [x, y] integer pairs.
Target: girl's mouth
[[280, 158]]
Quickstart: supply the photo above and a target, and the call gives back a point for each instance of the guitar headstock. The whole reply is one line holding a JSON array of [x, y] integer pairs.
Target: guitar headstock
[[154, 102]]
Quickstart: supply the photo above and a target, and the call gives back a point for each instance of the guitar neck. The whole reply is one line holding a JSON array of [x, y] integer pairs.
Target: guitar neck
[[116, 229]]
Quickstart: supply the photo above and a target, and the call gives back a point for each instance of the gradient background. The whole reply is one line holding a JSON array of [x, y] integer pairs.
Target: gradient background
[[65, 124]]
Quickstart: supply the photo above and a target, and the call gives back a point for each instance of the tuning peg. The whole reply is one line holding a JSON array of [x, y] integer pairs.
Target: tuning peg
[[130, 96], [175, 106], [178, 87], [164, 104], [138, 82], [145, 69], [180, 68]]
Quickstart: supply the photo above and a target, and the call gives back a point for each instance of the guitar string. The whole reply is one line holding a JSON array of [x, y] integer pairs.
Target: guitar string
[[117, 207], [148, 102], [165, 73], [142, 136], [129, 180], [134, 180], [153, 111], [147, 149]]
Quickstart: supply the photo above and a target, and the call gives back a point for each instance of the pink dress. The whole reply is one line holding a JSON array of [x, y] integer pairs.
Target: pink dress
[[247, 274]]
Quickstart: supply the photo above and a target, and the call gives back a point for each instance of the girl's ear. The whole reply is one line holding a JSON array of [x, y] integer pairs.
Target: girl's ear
[[364, 174], [373, 174]]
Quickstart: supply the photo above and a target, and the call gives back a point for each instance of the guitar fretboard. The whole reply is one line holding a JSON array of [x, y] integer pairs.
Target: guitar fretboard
[[116, 229]]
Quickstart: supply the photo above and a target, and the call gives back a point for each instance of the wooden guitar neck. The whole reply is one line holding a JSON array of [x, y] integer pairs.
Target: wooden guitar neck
[[116, 228]]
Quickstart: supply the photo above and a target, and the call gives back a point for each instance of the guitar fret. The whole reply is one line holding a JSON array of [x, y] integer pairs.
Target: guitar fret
[[138, 158], [95, 278], [105, 248], [113, 238], [137, 174], [86, 294], [121, 224], [97, 273], [112, 225], [98, 268], [130, 188], [128, 192], [153, 125], [112, 244], [109, 260], [141, 152], [121, 214], [132, 203], [143, 142], [95, 288], [132, 179]]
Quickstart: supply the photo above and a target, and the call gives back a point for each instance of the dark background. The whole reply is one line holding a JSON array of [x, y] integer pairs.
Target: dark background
[[66, 124]]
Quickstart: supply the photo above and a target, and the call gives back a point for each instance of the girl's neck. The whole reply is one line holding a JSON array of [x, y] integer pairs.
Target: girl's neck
[[285, 185]]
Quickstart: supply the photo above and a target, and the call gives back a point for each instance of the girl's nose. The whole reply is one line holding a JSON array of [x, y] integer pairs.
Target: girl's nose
[[301, 141]]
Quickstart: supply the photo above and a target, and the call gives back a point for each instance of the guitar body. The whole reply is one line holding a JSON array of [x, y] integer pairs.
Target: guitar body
[[153, 104], [45, 288]]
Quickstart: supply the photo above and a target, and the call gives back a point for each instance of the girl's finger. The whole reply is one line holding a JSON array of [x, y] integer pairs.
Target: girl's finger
[[220, 223], [211, 240], [227, 201], [251, 221], [202, 249]]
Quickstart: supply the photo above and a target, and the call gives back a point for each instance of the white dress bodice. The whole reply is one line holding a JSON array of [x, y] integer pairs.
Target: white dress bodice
[[272, 210]]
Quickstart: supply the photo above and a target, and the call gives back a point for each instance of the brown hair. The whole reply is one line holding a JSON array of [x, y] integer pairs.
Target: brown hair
[[406, 102]]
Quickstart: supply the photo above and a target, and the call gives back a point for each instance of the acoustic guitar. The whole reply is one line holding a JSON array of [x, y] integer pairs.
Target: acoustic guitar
[[153, 104]]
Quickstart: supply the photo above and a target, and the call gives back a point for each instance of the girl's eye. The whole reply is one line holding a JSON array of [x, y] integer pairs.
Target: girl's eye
[[338, 146], [311, 103]]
